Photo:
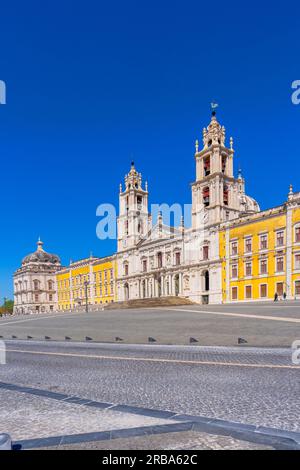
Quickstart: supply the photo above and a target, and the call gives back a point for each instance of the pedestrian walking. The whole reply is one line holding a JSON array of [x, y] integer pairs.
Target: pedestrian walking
[[276, 297]]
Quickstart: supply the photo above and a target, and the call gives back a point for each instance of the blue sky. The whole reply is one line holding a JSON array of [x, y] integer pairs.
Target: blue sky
[[91, 85]]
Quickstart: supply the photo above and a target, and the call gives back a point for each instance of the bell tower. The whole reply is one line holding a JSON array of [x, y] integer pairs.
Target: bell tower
[[134, 221], [216, 192]]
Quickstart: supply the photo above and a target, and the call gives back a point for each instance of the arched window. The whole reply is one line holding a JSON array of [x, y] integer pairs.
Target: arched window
[[36, 284], [126, 291], [50, 285], [206, 280], [126, 269]]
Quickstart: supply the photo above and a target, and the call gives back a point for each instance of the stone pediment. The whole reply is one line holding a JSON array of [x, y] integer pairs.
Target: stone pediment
[[160, 232]]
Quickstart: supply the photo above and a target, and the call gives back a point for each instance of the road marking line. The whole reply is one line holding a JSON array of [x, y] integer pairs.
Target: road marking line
[[148, 359], [36, 318], [242, 315]]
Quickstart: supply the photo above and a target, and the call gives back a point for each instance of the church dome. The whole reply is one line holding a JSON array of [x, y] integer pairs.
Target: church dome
[[249, 204], [41, 256]]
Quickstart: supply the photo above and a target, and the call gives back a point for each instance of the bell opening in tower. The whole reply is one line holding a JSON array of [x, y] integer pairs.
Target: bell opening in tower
[[206, 164], [206, 199], [223, 164], [225, 195]]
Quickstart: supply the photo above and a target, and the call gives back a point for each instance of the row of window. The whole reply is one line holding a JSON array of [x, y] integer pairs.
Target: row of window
[[263, 291], [159, 260], [264, 241], [36, 285], [82, 278], [80, 293], [37, 297], [263, 266]]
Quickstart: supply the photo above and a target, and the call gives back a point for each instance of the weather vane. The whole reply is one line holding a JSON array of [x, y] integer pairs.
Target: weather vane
[[213, 106]]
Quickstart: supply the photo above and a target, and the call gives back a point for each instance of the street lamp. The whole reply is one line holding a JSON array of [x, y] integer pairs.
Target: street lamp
[[86, 296], [4, 305]]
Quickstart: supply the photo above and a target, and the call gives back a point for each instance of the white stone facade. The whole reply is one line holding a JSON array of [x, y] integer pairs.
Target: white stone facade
[[35, 288], [160, 260]]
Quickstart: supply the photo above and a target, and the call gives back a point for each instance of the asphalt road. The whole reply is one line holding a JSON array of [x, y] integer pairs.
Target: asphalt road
[[260, 324], [251, 385]]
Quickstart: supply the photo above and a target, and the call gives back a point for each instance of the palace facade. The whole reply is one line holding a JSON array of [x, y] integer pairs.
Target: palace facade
[[261, 254], [159, 260], [88, 281], [232, 252]]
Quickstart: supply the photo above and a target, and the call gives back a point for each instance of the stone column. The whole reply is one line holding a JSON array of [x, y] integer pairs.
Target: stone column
[[180, 284], [162, 285]]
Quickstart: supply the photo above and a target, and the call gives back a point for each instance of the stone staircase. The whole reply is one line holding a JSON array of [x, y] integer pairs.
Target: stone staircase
[[153, 302]]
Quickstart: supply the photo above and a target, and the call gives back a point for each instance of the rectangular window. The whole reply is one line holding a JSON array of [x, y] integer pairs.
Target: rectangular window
[[177, 259], [248, 245], [248, 268], [159, 260], [234, 248], [297, 287], [297, 261], [144, 265], [263, 290], [126, 269], [297, 235], [205, 252], [248, 292], [234, 293], [263, 266], [279, 264], [264, 241], [234, 271], [280, 238]]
